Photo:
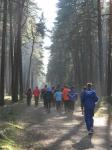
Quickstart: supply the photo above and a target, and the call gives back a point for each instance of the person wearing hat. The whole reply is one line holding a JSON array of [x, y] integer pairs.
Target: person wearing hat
[[88, 101]]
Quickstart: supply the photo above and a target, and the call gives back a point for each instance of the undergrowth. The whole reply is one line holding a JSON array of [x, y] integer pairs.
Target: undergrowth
[[10, 128], [102, 107], [8, 136]]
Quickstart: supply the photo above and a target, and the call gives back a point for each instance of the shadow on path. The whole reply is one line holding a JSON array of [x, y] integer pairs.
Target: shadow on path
[[67, 136], [84, 143]]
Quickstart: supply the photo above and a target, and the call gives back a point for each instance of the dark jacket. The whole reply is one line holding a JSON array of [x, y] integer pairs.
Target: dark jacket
[[48, 96]]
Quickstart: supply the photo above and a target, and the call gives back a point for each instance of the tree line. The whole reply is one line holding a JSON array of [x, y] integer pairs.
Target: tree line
[[21, 34], [81, 45]]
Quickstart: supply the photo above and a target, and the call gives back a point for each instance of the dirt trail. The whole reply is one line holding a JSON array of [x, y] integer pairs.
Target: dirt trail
[[55, 131]]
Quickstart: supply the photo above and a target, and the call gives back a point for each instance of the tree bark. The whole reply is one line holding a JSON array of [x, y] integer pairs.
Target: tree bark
[[3, 49], [18, 83], [100, 45], [29, 68], [11, 51], [109, 57]]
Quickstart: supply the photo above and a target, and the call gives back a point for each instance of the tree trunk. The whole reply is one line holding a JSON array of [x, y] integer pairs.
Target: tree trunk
[[109, 57], [18, 83], [20, 51], [11, 46], [3, 49], [109, 77], [100, 45], [29, 68]]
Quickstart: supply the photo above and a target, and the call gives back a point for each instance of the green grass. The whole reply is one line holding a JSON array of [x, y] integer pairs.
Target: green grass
[[102, 107], [10, 128], [12, 111], [8, 144], [8, 134], [8, 114]]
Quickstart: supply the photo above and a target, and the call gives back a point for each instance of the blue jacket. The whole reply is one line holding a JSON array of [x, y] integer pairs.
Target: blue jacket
[[58, 96], [88, 99], [72, 95]]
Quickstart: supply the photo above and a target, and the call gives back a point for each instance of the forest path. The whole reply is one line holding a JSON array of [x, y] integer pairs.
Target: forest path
[[55, 131]]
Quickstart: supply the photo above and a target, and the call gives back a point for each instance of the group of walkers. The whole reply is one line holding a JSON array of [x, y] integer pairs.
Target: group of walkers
[[52, 96], [59, 97], [65, 96]]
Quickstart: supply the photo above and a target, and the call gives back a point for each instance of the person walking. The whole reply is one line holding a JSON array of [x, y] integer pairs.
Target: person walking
[[53, 100], [48, 99], [43, 91], [66, 101], [29, 96], [72, 97], [88, 100], [58, 100], [36, 94]]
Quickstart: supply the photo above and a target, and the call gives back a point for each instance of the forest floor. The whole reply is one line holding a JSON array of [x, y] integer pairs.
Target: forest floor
[[31, 128]]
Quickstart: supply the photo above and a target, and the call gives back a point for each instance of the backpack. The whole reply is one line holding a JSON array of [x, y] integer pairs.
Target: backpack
[[72, 96]]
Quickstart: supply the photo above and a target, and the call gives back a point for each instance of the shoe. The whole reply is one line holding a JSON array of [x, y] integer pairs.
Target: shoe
[[91, 132]]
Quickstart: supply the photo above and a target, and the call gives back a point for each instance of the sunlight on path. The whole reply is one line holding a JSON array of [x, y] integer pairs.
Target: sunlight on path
[[60, 131]]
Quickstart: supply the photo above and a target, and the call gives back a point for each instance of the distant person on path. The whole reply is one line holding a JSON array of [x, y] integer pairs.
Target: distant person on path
[[66, 100], [29, 96], [36, 94], [88, 100], [72, 97], [43, 92], [58, 99], [53, 100], [48, 99]]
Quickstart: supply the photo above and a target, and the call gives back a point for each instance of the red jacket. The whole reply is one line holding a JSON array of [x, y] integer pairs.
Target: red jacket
[[36, 92], [65, 94]]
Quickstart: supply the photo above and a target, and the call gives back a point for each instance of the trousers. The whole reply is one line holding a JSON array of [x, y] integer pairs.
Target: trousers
[[89, 114]]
